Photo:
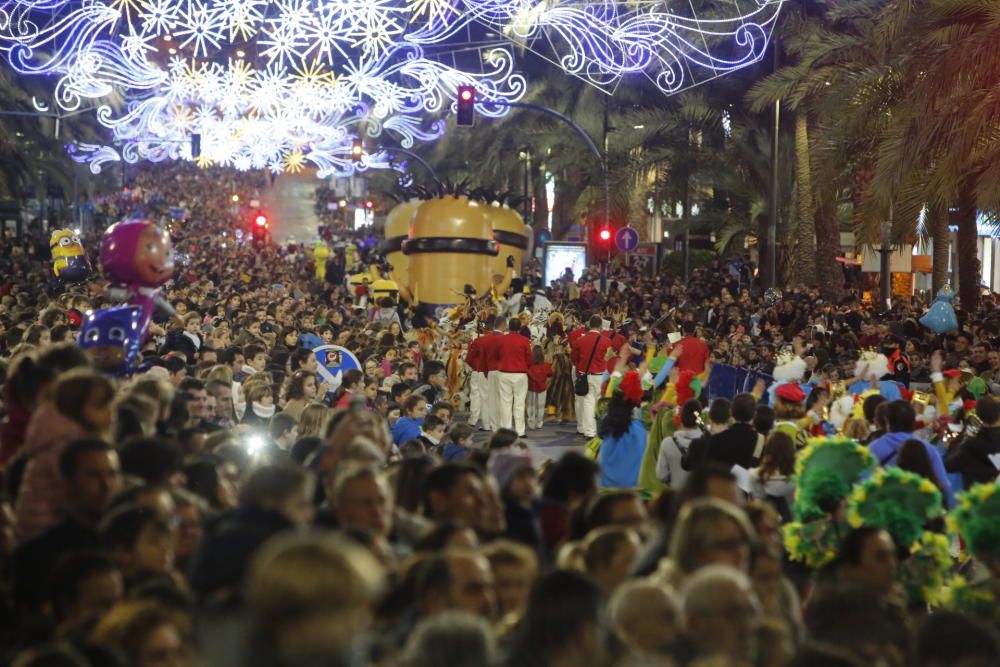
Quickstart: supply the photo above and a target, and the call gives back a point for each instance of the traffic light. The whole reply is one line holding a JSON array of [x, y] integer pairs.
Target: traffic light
[[261, 221], [357, 149], [260, 233], [604, 242], [369, 204], [466, 107]]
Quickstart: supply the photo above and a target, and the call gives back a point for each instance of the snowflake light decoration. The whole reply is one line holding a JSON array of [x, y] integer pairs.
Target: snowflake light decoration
[[279, 83]]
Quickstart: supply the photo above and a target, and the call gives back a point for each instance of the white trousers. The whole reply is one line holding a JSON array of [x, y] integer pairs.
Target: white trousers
[[536, 409], [586, 406], [513, 393], [478, 405], [490, 402]]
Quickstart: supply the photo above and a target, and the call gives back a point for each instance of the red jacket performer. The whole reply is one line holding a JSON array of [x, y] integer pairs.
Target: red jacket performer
[[588, 356], [491, 361], [513, 360], [478, 405]]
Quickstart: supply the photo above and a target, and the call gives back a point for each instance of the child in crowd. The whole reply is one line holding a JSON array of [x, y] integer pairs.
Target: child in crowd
[[459, 443], [539, 373]]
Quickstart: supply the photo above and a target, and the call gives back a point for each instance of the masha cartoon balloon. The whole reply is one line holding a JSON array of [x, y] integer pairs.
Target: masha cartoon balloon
[[69, 259], [138, 255]]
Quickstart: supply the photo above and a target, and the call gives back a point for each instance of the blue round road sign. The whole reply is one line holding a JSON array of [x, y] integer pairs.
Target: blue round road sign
[[627, 239]]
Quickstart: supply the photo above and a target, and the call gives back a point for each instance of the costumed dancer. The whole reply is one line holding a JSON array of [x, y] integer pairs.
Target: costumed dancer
[[790, 368], [869, 372], [977, 520], [825, 472], [790, 413], [902, 503], [623, 437]]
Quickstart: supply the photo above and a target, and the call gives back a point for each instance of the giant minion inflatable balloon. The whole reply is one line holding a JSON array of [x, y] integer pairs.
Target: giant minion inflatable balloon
[[509, 233], [450, 245], [69, 259], [397, 230]]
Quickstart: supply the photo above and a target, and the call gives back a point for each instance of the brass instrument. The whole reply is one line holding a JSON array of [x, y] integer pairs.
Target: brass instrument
[[837, 390]]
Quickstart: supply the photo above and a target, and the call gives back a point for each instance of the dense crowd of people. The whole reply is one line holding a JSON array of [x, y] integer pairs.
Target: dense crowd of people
[[227, 505]]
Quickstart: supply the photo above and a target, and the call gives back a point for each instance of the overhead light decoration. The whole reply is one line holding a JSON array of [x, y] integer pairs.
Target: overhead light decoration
[[664, 40], [279, 84]]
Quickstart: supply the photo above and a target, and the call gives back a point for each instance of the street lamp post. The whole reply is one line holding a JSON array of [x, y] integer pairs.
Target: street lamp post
[[886, 276]]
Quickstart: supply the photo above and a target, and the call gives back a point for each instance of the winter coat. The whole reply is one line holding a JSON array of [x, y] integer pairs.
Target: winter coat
[[230, 542], [41, 496], [740, 444]]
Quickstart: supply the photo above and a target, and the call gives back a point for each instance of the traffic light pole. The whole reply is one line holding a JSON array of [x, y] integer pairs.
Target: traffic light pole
[[601, 157], [416, 157]]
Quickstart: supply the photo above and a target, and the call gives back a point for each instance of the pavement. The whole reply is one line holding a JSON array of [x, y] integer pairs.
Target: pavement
[[550, 442]]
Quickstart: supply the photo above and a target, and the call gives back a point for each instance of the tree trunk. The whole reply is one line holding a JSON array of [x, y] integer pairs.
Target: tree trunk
[[804, 271], [763, 250], [968, 255], [541, 216], [937, 219], [829, 271]]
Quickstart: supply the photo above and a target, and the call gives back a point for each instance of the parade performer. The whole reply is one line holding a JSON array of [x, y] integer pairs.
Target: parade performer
[[623, 437], [871, 369], [977, 520], [902, 503], [790, 369], [825, 472]]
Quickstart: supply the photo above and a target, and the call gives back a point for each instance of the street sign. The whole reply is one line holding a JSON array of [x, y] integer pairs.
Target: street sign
[[333, 361], [626, 239], [644, 259]]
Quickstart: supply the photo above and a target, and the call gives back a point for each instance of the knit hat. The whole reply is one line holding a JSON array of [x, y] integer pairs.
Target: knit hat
[[506, 463]]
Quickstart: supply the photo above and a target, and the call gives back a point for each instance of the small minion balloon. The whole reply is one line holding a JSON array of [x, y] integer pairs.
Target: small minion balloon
[[69, 260]]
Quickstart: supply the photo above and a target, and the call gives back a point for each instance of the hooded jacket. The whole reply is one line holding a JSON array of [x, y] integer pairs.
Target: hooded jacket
[[672, 450]]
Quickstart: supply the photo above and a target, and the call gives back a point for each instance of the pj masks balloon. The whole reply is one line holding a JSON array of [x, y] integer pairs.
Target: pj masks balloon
[[941, 317], [137, 253], [111, 338], [69, 260]]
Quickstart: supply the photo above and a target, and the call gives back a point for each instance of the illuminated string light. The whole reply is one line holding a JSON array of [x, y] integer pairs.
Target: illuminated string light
[[322, 71]]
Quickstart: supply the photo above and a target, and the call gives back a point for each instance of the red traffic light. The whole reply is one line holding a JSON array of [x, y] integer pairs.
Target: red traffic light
[[466, 106], [261, 220], [605, 234], [369, 203]]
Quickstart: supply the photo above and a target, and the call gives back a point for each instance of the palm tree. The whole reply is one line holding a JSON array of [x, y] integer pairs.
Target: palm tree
[[941, 147]]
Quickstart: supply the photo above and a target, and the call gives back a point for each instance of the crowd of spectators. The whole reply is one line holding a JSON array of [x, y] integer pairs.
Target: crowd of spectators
[[225, 507]]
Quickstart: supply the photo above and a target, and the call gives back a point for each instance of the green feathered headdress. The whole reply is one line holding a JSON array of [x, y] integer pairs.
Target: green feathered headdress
[[826, 470], [977, 519], [897, 501]]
